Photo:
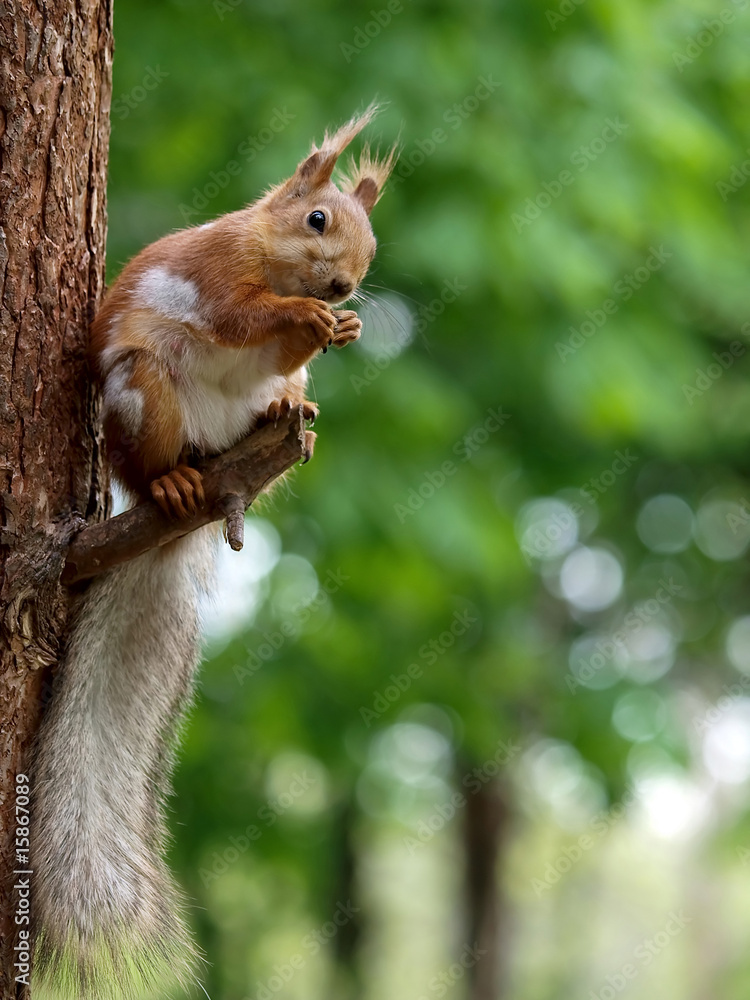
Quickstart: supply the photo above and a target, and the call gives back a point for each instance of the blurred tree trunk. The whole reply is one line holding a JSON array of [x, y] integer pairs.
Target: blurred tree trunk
[[347, 979], [55, 89], [485, 833]]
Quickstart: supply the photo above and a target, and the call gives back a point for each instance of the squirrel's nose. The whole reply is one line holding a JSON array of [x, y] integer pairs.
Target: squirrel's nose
[[340, 289]]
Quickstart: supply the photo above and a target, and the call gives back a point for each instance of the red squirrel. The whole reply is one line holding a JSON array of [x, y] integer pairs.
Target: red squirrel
[[204, 334], [210, 328]]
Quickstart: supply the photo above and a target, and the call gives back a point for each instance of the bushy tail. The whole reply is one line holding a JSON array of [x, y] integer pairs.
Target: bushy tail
[[108, 915]]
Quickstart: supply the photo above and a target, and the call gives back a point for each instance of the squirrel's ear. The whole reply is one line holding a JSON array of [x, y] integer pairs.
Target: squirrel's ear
[[318, 167], [367, 178], [367, 193], [311, 173]]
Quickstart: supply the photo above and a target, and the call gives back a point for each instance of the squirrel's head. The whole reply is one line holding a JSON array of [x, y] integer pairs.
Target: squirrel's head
[[318, 236]]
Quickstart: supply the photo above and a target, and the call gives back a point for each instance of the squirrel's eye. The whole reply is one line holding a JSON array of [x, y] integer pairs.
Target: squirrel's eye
[[317, 220]]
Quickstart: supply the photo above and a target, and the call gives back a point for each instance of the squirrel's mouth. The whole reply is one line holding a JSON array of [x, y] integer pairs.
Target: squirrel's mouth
[[334, 300], [334, 293]]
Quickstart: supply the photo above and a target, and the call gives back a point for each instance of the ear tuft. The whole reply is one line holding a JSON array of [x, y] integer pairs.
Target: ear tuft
[[341, 138], [318, 167], [366, 178]]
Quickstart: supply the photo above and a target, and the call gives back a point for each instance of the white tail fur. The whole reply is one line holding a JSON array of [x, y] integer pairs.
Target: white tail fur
[[107, 912]]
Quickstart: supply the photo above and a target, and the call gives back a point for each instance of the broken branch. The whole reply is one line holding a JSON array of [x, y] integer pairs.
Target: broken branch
[[231, 481]]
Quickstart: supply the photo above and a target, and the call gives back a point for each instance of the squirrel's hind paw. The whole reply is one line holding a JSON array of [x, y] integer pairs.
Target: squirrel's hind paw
[[180, 492], [283, 407]]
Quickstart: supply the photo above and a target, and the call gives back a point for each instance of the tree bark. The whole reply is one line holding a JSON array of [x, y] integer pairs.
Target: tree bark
[[55, 89]]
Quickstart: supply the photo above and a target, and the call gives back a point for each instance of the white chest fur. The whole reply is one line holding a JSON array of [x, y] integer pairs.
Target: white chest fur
[[222, 390]]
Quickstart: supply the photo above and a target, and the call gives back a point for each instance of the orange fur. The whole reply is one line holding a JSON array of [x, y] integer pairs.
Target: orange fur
[[260, 279], [157, 446]]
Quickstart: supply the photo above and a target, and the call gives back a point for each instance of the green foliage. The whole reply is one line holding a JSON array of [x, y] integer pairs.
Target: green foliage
[[563, 251]]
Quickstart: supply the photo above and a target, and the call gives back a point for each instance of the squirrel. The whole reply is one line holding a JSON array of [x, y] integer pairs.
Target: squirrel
[[205, 334]]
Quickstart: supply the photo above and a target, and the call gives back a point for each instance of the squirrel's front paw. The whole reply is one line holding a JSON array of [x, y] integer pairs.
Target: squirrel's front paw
[[283, 407], [348, 327], [180, 492], [320, 318]]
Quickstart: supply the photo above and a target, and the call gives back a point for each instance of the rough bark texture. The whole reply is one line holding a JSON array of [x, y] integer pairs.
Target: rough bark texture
[[55, 88]]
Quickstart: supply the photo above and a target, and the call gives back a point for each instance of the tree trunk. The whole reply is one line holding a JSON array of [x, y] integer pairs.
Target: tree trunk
[[485, 832], [55, 89]]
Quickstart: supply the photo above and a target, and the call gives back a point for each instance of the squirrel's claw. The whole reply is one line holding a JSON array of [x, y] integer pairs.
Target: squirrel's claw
[[309, 446], [310, 411], [283, 407], [277, 408]]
